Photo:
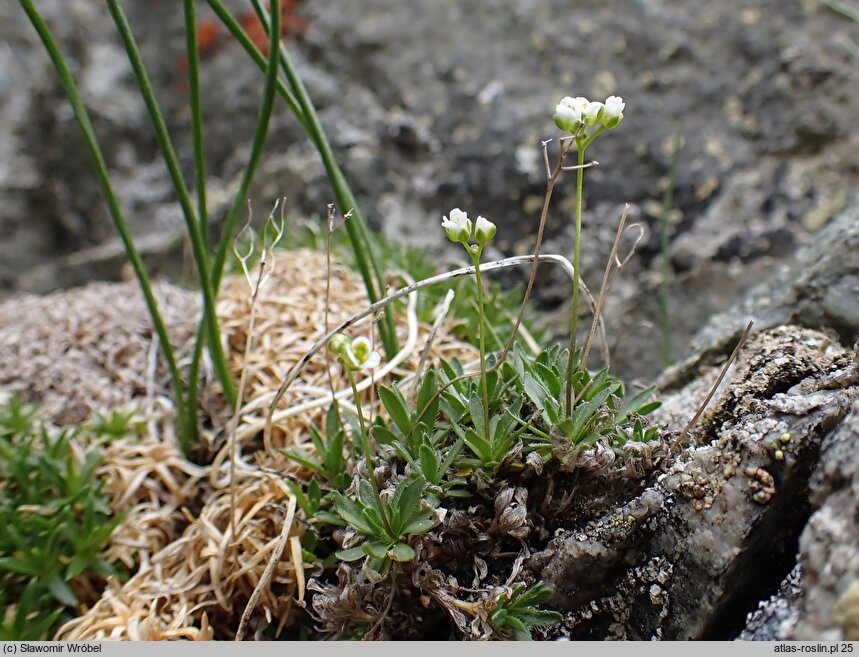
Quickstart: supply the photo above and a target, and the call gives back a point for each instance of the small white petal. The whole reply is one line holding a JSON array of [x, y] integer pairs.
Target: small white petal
[[483, 224], [591, 112], [614, 106], [566, 117], [458, 216], [362, 341], [372, 361]]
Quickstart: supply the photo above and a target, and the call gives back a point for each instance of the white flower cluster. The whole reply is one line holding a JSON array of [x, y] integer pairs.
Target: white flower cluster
[[457, 227], [571, 112]]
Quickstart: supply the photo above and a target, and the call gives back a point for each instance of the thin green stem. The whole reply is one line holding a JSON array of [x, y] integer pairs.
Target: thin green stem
[[193, 56], [171, 160], [368, 454], [194, 373], [244, 40], [587, 142], [187, 430], [664, 288], [356, 227], [193, 60], [577, 248], [258, 144], [484, 382]]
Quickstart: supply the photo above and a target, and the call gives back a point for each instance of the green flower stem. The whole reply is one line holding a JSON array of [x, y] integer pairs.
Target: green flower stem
[[187, 429], [484, 382], [193, 57], [577, 247], [582, 144], [365, 446], [168, 153]]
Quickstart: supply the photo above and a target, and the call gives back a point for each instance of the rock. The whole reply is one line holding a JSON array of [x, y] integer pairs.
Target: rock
[[719, 529], [447, 108], [819, 290], [829, 544]]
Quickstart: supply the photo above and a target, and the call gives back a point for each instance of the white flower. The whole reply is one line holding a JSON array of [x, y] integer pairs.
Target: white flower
[[612, 113], [591, 113], [484, 230], [354, 354], [565, 115], [457, 227], [569, 111], [360, 355]]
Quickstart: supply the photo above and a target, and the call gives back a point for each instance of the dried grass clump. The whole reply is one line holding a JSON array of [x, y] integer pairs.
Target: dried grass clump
[[86, 350], [193, 581]]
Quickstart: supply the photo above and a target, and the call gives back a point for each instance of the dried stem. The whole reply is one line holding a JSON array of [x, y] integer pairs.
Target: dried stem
[[444, 308], [255, 285], [716, 385], [607, 282], [269, 569]]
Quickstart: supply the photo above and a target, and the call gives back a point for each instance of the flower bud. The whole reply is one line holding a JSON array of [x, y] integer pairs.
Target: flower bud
[[565, 116], [338, 344], [568, 113], [457, 227], [484, 231], [611, 115], [591, 114]]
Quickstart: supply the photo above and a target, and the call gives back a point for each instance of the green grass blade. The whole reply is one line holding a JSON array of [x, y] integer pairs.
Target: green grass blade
[[244, 40], [256, 149], [356, 227], [187, 429], [193, 57], [172, 162]]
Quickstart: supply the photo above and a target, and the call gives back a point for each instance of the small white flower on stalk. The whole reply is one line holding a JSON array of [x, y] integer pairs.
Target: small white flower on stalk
[[612, 113], [354, 354], [568, 113], [360, 355], [591, 113], [457, 227], [565, 115], [484, 230]]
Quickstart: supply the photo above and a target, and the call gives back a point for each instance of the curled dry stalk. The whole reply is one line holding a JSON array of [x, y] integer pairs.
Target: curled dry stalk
[[329, 235], [264, 268]]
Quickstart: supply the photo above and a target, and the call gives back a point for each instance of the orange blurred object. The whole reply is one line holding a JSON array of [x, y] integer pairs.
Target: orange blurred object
[[210, 32]]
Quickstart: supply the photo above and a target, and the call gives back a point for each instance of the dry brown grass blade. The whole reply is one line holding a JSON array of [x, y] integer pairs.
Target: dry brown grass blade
[[269, 569], [443, 309], [715, 387]]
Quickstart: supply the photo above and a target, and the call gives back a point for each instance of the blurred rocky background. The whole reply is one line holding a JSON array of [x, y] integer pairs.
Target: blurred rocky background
[[444, 104]]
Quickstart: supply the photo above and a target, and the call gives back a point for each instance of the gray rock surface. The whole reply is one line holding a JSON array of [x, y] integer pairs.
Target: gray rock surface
[[820, 289], [720, 528], [445, 106]]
